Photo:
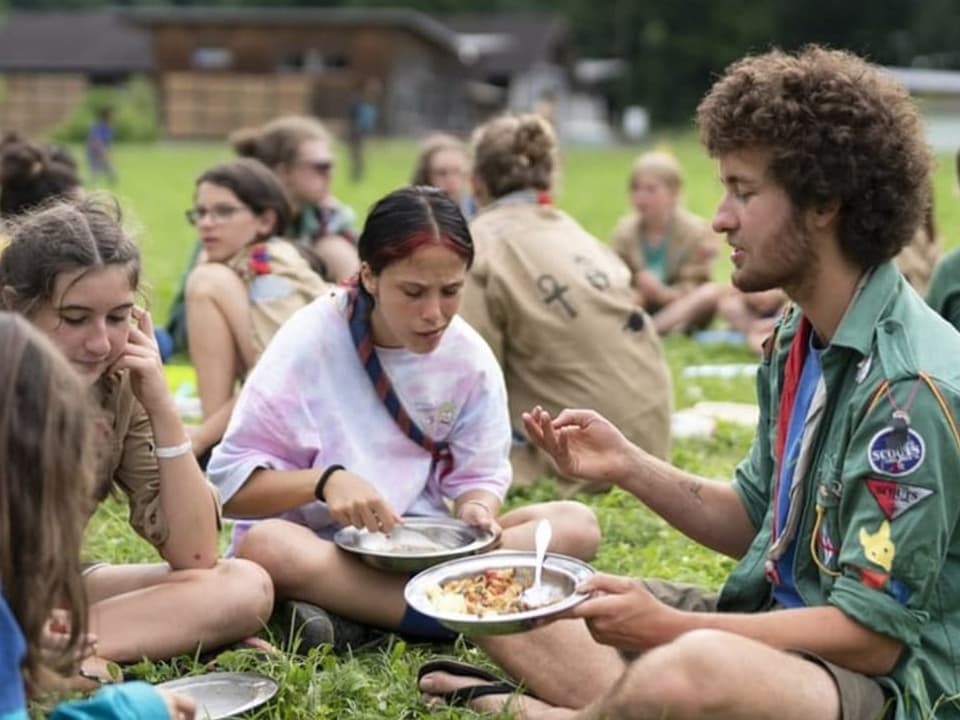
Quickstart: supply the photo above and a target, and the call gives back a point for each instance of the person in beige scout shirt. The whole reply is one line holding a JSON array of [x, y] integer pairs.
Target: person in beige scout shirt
[[668, 249], [553, 302], [251, 282], [74, 273]]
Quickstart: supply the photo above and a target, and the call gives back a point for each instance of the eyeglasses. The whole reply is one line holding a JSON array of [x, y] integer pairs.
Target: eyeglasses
[[217, 213], [320, 167]]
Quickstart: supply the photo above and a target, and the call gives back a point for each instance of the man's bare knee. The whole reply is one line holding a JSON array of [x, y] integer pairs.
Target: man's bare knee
[[687, 678]]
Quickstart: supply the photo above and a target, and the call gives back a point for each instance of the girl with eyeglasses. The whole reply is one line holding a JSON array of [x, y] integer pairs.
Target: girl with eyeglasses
[[73, 272], [250, 281], [373, 403], [299, 150]]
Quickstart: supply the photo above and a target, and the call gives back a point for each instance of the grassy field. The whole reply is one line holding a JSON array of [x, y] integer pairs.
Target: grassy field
[[156, 185]]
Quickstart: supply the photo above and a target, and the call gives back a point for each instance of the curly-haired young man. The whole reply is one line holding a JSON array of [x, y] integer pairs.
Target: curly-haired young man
[[845, 600]]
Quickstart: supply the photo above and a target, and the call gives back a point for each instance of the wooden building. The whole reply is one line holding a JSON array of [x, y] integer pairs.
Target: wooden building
[[48, 59], [222, 68]]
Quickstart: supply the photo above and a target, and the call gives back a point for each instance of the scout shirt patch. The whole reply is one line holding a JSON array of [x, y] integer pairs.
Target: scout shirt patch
[[896, 452], [895, 498], [877, 580], [877, 546]]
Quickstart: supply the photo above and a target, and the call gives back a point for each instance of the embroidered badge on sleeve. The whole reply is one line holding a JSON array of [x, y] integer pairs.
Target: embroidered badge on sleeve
[[895, 498], [896, 452], [878, 547]]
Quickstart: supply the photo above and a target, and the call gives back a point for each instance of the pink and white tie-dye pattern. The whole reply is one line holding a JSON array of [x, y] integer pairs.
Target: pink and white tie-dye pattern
[[308, 404]]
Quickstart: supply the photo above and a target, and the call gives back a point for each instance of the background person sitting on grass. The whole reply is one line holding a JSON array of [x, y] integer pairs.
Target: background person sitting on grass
[[72, 270], [443, 162], [553, 302], [47, 459], [299, 150], [250, 282], [668, 249], [375, 402]]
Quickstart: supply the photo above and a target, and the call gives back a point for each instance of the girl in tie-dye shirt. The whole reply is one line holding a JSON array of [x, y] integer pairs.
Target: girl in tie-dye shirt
[[374, 402]]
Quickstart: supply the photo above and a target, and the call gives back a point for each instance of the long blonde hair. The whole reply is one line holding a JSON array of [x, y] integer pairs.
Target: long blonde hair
[[46, 477]]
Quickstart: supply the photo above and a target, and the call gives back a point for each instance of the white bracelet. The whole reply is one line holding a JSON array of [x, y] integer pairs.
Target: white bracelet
[[173, 451]]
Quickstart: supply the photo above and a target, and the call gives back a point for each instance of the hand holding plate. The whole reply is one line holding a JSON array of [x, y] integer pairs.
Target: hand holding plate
[[622, 613]]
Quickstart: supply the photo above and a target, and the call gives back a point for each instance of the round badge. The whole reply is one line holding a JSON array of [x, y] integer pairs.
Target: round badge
[[889, 456]]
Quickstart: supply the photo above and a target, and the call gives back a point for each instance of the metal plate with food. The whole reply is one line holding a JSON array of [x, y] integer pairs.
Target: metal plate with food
[[482, 595], [418, 543], [224, 694]]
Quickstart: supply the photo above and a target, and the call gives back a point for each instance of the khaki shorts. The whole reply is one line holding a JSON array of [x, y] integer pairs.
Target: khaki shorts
[[861, 697]]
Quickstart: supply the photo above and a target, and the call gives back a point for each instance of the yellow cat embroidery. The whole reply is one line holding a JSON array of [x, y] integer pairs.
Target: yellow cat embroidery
[[878, 547]]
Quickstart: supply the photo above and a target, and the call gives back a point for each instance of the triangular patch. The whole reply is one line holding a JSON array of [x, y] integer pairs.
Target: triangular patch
[[895, 498]]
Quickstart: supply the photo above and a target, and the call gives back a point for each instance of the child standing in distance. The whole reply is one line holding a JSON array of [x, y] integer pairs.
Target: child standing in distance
[[100, 147], [668, 249], [374, 402], [47, 466], [73, 271], [250, 282]]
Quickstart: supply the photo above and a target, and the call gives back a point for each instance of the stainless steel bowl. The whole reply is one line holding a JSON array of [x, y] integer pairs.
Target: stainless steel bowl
[[454, 537], [561, 573]]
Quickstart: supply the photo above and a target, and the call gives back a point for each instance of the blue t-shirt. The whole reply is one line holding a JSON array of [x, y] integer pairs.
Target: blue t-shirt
[[130, 701], [785, 592]]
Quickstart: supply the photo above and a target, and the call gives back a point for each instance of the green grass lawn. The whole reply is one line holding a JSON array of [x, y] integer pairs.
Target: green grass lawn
[[156, 184]]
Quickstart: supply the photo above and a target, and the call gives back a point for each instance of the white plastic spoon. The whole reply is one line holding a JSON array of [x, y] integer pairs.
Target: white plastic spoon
[[537, 595]]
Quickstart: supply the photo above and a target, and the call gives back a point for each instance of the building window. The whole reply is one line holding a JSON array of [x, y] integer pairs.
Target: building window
[[312, 61], [212, 58]]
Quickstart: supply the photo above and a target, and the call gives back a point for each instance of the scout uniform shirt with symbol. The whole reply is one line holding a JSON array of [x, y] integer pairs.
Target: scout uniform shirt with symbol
[[877, 533], [556, 307]]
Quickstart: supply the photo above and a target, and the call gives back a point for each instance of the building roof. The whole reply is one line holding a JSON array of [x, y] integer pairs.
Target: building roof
[[508, 43], [90, 41], [411, 20]]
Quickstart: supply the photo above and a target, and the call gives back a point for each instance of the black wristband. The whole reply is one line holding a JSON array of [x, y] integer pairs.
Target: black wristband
[[322, 482]]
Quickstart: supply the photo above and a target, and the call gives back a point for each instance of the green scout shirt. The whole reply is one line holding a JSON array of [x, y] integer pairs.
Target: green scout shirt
[[944, 292], [887, 547]]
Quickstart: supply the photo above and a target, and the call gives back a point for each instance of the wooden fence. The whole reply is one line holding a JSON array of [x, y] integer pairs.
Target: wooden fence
[[34, 104], [213, 105]]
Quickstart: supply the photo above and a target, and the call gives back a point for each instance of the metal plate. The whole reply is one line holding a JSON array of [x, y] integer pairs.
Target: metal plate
[[451, 538], [560, 572], [224, 694]]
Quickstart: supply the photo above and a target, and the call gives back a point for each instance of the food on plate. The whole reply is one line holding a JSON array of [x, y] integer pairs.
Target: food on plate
[[400, 541], [492, 592]]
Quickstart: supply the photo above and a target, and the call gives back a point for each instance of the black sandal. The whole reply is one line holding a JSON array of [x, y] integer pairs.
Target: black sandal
[[462, 697]]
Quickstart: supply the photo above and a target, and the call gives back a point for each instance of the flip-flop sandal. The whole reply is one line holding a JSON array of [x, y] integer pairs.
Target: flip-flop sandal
[[462, 697]]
